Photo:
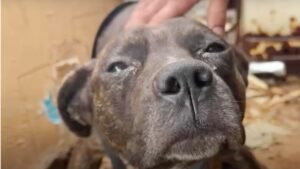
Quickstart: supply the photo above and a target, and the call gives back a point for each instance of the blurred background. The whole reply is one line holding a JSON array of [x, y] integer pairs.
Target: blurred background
[[44, 40]]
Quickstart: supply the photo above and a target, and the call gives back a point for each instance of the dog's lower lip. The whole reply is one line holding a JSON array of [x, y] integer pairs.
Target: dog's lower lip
[[197, 144]]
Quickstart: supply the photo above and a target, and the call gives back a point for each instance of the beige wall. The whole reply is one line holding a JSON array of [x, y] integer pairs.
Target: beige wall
[[36, 36]]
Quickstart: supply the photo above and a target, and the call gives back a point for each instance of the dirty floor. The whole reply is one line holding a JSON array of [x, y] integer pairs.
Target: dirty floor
[[273, 121]]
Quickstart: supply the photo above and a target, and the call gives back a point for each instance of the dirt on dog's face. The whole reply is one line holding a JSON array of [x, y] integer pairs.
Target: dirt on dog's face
[[171, 93], [161, 95]]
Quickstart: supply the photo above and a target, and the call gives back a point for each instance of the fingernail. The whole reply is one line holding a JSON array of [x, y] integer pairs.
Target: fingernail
[[218, 30]]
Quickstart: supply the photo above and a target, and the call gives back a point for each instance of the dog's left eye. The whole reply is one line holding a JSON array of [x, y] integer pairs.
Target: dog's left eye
[[117, 67], [214, 48]]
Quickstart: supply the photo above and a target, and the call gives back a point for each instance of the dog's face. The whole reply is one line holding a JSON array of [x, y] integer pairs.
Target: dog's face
[[161, 95]]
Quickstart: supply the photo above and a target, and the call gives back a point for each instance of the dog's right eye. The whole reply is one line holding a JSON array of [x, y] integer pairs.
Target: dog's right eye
[[117, 67], [214, 48]]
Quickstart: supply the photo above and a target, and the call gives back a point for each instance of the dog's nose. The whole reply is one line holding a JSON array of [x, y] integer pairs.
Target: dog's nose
[[182, 77]]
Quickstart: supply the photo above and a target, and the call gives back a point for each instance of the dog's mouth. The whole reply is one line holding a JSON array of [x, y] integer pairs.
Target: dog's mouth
[[194, 147]]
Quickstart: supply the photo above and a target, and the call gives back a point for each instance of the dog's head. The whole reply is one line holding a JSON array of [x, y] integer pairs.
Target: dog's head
[[160, 95]]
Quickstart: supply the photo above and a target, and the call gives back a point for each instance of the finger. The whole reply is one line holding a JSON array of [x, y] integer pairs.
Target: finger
[[216, 15], [144, 11], [172, 9]]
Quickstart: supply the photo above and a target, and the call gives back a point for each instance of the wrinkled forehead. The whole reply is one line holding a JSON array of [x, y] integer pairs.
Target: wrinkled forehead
[[176, 29], [181, 27], [179, 32]]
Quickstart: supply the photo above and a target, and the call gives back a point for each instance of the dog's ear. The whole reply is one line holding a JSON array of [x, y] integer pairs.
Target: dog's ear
[[75, 101], [112, 25], [242, 63]]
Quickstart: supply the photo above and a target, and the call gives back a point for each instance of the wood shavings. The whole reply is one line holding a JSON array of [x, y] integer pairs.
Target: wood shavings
[[263, 134], [272, 111], [256, 83]]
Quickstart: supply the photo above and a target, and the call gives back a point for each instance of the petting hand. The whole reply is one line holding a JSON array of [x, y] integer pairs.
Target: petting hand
[[154, 12]]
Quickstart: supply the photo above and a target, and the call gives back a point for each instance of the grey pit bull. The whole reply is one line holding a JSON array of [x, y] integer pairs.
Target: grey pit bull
[[167, 97]]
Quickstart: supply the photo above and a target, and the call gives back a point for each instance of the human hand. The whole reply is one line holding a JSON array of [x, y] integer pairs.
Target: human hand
[[154, 12]]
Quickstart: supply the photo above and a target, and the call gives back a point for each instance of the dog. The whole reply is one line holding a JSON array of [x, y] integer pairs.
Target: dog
[[170, 97]]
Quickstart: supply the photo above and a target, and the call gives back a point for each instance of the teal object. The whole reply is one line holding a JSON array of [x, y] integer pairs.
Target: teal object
[[51, 110]]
